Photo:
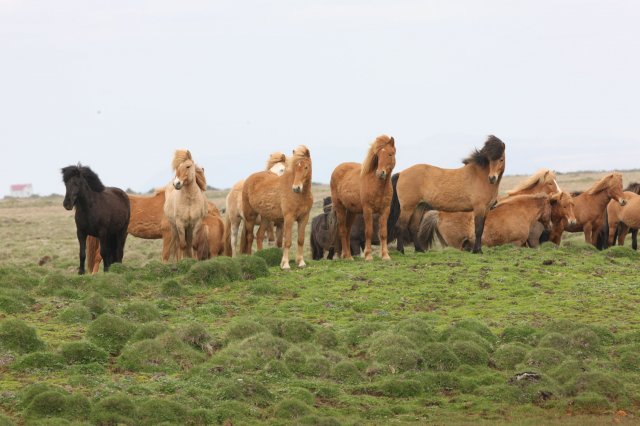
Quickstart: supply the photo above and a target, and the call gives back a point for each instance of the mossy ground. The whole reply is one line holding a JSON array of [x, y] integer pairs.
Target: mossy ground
[[419, 339]]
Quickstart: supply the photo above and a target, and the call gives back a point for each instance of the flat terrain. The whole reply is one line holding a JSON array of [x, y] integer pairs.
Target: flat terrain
[[444, 337]]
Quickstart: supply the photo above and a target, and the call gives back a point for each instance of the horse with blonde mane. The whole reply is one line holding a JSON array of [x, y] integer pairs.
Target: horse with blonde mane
[[285, 198], [471, 188], [234, 217], [508, 223], [589, 206], [365, 188], [185, 206]]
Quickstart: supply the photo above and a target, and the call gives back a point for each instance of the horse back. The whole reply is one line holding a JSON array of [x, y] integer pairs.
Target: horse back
[[345, 186], [261, 196], [147, 214], [442, 189]]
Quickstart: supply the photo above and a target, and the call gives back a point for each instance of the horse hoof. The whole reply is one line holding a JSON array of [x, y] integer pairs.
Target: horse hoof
[[302, 265], [386, 257], [479, 251], [285, 266], [368, 258]]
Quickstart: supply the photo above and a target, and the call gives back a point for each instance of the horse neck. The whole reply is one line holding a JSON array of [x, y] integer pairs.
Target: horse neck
[[373, 180], [86, 197], [191, 191], [480, 175], [599, 199]]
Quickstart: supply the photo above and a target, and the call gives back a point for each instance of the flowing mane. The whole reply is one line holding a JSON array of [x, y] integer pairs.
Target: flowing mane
[[538, 177], [86, 173], [519, 198], [633, 187], [602, 184], [275, 158], [492, 150], [300, 153], [182, 155], [371, 160]]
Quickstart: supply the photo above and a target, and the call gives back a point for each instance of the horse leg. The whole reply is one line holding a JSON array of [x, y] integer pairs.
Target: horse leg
[[402, 226], [264, 227], [106, 251], [82, 239], [634, 238], [234, 237], [270, 234], [122, 239], [367, 213], [587, 228], [623, 230], [346, 242], [249, 222], [479, 228], [302, 224], [288, 224], [279, 235], [382, 231], [341, 217]]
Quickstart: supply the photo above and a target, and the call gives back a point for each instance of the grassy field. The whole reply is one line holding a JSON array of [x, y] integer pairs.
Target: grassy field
[[437, 338]]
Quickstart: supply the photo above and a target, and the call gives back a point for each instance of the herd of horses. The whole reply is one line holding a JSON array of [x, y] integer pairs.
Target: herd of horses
[[368, 205]]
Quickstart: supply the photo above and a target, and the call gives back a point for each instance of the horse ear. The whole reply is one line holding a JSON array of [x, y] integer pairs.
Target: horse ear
[[189, 155], [555, 198], [392, 142]]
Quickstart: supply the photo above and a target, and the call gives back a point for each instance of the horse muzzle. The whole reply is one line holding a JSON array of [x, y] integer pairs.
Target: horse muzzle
[[382, 175], [493, 179], [297, 188], [623, 202], [177, 184], [68, 205], [573, 222]]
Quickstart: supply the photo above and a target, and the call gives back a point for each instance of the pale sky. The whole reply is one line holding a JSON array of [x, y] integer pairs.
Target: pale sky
[[120, 84]]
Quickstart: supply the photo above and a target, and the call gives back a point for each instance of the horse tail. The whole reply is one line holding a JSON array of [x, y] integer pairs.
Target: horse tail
[[202, 243], [394, 211], [226, 236], [332, 227], [603, 237], [243, 238], [428, 230], [93, 254]]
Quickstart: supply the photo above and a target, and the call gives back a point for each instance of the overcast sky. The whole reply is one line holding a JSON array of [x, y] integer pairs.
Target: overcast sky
[[120, 84]]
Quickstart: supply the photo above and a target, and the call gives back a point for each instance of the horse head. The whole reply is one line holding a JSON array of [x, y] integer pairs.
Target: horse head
[[562, 208], [545, 215], [491, 156], [386, 160], [76, 180], [614, 188], [185, 174], [301, 164]]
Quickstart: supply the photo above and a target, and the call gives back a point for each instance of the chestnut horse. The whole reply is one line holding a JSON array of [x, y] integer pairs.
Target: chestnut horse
[[185, 205], [233, 218], [471, 188], [590, 206], [508, 223], [562, 215], [365, 188], [102, 212], [285, 198], [619, 220]]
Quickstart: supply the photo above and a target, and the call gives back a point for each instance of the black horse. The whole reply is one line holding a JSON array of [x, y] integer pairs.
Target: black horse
[[100, 212], [324, 235]]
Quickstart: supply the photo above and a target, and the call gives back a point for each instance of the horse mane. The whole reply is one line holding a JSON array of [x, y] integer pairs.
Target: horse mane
[[492, 150], [601, 185], [299, 153], [537, 178], [371, 160], [633, 187], [201, 181], [275, 158], [517, 198], [575, 193], [86, 173]]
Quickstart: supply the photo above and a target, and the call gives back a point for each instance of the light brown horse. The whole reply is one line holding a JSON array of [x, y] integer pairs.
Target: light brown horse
[[233, 218], [508, 223], [544, 180], [185, 205], [562, 215], [210, 240], [471, 188], [615, 225], [365, 188], [590, 206], [285, 198]]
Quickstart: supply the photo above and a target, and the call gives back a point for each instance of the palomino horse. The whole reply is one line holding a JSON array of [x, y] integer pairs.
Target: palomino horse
[[616, 228], [185, 206], [473, 187], [100, 212], [210, 240], [285, 198], [508, 223], [365, 188], [233, 218], [590, 206]]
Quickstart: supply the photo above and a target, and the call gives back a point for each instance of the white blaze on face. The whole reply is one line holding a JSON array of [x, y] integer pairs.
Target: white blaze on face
[[277, 169], [557, 186]]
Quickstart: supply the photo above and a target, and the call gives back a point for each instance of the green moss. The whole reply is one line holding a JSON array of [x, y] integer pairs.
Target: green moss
[[317, 366], [149, 330], [295, 360], [584, 342], [96, 303], [326, 338], [346, 372], [196, 336], [201, 417], [75, 314], [141, 312], [39, 361], [398, 359], [621, 252], [521, 334], [166, 353], [155, 270], [14, 301], [110, 332], [630, 361], [438, 356], [277, 369], [114, 409], [461, 335], [470, 353], [302, 395], [252, 267], [172, 288], [5, 421], [83, 353], [53, 403], [478, 328], [567, 370], [18, 336], [291, 409], [417, 330], [296, 330], [590, 403], [156, 411], [184, 265], [401, 388], [318, 421], [272, 256], [507, 356], [111, 286], [361, 332], [214, 272], [544, 358], [556, 341], [440, 382], [242, 328], [596, 382]]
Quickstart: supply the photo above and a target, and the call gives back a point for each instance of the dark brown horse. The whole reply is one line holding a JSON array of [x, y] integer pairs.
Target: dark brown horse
[[471, 188], [102, 212]]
